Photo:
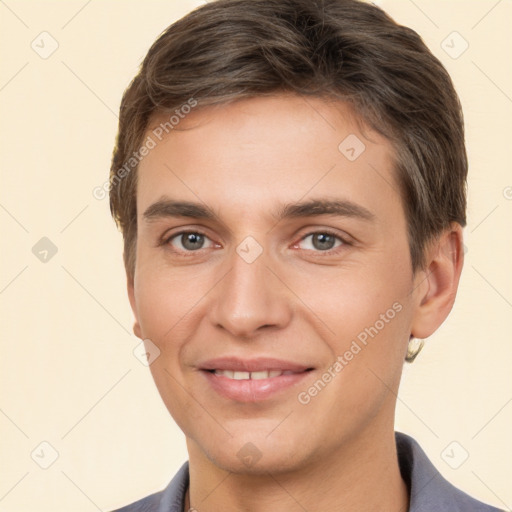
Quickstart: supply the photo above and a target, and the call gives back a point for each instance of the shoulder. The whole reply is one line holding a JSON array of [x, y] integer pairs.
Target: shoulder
[[171, 499], [429, 490], [148, 504]]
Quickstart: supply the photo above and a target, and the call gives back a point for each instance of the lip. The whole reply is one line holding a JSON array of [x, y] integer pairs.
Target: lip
[[249, 390]]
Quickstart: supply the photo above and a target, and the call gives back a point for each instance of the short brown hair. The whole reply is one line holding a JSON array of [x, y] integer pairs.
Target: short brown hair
[[349, 50]]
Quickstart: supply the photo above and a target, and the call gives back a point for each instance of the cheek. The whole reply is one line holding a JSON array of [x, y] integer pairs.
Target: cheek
[[163, 300], [347, 300], [364, 315], [362, 377], [165, 304]]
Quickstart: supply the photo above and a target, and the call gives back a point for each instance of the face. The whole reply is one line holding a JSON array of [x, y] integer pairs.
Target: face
[[273, 280]]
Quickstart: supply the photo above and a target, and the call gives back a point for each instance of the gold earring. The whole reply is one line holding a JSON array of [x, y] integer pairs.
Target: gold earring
[[413, 349]]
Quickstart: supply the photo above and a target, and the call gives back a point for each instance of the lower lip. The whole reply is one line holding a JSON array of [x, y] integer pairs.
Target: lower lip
[[251, 390]]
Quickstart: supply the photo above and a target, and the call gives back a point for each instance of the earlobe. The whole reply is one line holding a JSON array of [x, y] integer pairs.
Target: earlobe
[[130, 286], [136, 329], [436, 286]]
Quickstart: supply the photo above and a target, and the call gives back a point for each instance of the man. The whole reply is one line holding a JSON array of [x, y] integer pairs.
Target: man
[[289, 178]]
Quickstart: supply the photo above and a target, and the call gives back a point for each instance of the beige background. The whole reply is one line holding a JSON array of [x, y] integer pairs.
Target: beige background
[[68, 373]]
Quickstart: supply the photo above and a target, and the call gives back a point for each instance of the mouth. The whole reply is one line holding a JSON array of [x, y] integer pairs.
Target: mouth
[[253, 380]]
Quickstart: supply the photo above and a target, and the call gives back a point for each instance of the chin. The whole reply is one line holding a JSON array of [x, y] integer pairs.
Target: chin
[[247, 465], [257, 454]]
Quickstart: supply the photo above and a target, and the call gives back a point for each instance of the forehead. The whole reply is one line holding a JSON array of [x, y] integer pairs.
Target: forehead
[[247, 155]]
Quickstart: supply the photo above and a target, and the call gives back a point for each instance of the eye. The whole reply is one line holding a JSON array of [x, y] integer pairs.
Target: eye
[[321, 241], [189, 241]]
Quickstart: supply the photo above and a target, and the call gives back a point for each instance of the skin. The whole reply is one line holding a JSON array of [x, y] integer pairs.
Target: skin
[[296, 301]]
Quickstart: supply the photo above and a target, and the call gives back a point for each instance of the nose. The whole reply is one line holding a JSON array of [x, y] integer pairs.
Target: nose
[[249, 299]]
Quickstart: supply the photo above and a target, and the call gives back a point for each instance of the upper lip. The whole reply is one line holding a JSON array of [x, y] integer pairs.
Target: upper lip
[[252, 365]]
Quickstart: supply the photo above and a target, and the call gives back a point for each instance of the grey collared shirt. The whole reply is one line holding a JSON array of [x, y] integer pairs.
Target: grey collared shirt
[[428, 490]]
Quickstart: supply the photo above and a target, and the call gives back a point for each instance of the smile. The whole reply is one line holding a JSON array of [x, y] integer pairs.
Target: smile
[[253, 380]]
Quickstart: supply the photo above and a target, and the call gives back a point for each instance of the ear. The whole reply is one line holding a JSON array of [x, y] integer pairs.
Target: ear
[[436, 285], [130, 286]]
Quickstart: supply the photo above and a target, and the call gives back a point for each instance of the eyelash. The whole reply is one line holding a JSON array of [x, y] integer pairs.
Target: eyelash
[[329, 252]]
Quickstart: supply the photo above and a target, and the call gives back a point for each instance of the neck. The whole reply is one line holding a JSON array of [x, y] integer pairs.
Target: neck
[[363, 476]]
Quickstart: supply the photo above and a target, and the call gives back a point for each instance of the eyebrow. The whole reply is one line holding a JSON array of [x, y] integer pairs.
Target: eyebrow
[[166, 207]]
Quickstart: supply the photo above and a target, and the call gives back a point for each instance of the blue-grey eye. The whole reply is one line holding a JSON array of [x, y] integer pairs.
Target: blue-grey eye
[[321, 241], [189, 241]]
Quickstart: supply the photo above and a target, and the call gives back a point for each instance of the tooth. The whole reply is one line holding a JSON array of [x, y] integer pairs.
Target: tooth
[[241, 375], [259, 375], [224, 373], [263, 374]]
